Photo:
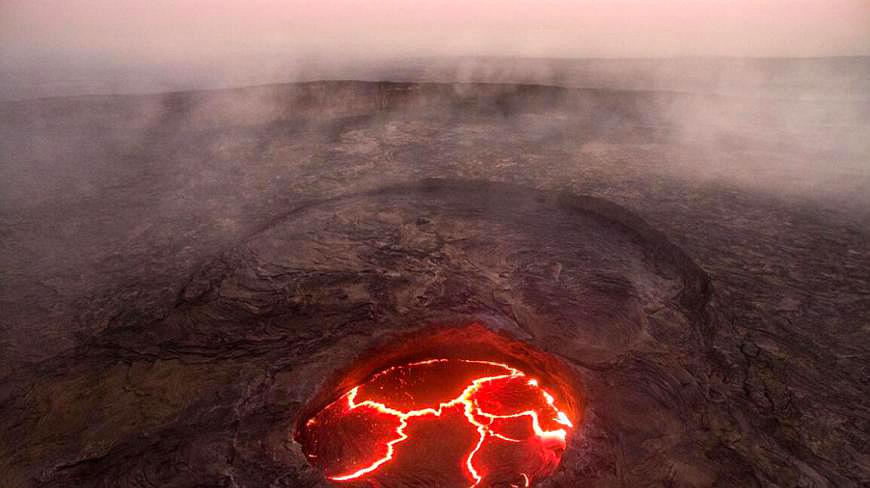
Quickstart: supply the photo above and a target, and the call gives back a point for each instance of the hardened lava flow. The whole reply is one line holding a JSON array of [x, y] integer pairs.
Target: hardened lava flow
[[458, 421]]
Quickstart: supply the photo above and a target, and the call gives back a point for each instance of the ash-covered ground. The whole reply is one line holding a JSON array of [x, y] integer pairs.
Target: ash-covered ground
[[182, 273]]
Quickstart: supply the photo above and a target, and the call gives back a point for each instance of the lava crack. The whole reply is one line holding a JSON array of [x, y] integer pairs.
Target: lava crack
[[488, 420]]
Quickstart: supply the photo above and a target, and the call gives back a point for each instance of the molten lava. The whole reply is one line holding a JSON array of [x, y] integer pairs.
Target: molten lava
[[442, 422]]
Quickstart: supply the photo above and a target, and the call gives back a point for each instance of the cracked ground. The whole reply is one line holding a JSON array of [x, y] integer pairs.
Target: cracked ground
[[182, 273]]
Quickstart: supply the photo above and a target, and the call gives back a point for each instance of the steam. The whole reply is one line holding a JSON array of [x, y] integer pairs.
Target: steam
[[137, 46]]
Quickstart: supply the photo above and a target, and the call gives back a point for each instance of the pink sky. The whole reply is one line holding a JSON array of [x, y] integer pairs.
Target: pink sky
[[175, 30]]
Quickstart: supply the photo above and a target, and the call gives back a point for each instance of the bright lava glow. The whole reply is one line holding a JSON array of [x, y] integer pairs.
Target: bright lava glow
[[477, 421]]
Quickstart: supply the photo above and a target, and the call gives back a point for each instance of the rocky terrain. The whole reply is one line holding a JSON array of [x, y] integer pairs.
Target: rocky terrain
[[184, 275]]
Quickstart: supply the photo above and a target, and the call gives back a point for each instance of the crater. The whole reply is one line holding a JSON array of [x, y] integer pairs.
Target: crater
[[575, 292]]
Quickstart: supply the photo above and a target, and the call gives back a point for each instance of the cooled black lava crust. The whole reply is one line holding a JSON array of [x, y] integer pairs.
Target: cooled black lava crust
[[182, 275]]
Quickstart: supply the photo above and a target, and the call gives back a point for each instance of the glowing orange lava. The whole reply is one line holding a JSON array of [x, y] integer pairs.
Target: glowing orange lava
[[447, 422]]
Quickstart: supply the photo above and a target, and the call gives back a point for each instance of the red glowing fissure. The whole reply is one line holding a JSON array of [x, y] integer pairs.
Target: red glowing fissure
[[483, 404]]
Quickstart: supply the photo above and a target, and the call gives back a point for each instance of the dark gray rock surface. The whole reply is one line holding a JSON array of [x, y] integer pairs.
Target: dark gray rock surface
[[181, 274]]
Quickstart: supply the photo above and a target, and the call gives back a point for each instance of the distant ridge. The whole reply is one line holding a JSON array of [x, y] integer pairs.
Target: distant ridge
[[825, 78]]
